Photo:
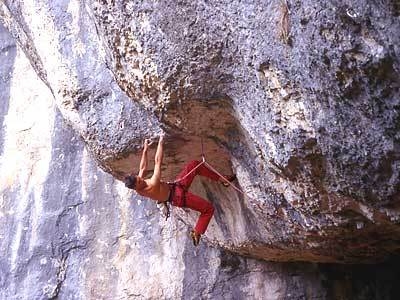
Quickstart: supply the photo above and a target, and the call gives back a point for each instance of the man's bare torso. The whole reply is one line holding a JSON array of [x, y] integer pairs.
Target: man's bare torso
[[158, 191]]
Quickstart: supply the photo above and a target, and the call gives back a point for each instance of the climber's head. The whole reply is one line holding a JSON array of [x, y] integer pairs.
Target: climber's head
[[130, 182], [135, 182]]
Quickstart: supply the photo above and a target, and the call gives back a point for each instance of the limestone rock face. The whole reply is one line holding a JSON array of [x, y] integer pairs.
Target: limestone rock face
[[299, 99]]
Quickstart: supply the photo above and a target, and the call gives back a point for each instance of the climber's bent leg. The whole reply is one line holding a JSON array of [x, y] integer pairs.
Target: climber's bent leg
[[205, 208], [202, 170]]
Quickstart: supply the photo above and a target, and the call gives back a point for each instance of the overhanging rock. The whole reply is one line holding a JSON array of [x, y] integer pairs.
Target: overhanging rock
[[309, 121]]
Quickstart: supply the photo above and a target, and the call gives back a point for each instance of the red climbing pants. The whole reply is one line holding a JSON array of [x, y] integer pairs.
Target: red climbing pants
[[183, 198]]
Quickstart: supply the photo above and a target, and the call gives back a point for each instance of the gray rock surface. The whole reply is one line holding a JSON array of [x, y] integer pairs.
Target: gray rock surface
[[307, 115], [301, 101]]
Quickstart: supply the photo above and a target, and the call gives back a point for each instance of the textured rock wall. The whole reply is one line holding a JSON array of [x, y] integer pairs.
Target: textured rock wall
[[301, 101], [68, 230], [314, 91]]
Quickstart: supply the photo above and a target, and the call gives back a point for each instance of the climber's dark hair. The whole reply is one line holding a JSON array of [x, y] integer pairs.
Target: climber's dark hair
[[130, 182]]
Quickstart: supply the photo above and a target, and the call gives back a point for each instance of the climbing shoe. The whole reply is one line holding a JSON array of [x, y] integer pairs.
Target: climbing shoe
[[195, 237], [230, 178]]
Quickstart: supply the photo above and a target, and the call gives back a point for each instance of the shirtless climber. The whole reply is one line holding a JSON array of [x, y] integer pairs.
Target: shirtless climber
[[176, 192]]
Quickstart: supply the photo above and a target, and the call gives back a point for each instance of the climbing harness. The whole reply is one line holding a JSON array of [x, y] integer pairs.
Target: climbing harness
[[166, 209]]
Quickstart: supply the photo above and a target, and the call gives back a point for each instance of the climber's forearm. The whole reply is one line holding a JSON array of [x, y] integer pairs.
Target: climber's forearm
[[158, 158], [143, 160]]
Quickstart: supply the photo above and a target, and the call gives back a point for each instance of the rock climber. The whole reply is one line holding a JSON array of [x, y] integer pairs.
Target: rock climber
[[177, 192]]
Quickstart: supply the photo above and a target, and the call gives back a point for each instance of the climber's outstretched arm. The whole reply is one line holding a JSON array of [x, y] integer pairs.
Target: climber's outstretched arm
[[143, 161], [158, 159]]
